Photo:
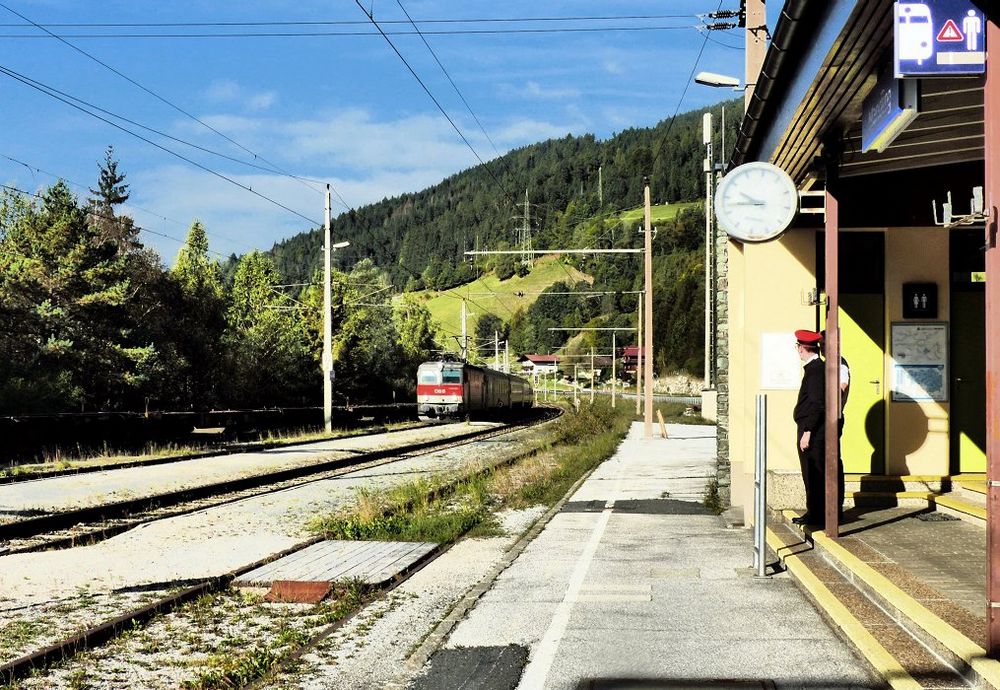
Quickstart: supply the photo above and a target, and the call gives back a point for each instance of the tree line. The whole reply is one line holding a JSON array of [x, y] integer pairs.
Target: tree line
[[93, 320]]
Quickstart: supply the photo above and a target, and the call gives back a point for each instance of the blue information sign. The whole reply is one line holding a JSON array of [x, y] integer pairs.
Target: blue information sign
[[890, 107], [939, 38]]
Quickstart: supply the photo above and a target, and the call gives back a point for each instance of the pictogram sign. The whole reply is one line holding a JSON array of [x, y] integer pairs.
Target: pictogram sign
[[939, 38], [949, 32]]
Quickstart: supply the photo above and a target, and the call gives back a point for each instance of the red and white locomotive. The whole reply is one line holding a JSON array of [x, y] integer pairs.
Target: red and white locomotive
[[453, 389]]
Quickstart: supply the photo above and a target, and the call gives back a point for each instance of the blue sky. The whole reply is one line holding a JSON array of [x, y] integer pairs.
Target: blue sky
[[339, 109]]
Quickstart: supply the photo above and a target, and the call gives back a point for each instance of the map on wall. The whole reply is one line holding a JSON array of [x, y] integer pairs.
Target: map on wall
[[919, 362]]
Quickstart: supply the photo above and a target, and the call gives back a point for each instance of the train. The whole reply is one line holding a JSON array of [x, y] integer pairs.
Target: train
[[457, 390]]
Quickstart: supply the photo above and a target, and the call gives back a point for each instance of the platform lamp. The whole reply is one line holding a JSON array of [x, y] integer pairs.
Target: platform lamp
[[328, 250]]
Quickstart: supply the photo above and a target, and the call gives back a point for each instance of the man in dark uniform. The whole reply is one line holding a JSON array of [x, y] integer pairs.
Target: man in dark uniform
[[810, 423]]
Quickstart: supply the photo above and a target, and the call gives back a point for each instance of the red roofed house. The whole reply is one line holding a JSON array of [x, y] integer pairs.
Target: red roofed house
[[630, 359], [536, 365]]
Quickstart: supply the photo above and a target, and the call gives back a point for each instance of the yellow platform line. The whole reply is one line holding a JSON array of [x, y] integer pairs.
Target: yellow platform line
[[959, 645], [960, 505], [878, 656], [977, 485]]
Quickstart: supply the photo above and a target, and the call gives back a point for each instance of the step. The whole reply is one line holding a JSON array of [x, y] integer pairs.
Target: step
[[889, 649], [931, 630], [888, 498], [895, 483]]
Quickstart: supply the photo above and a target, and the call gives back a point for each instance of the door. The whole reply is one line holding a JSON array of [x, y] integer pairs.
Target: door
[[862, 345], [968, 352]]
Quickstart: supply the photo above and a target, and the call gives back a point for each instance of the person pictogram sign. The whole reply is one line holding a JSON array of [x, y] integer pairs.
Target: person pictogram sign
[[950, 33]]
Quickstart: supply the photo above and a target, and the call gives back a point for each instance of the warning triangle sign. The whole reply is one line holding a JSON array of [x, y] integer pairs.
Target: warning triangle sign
[[950, 32]]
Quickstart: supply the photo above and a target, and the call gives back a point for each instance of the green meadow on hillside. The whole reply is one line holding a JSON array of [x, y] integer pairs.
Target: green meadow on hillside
[[487, 295]]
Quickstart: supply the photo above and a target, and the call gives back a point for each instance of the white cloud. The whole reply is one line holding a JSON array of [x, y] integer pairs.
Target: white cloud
[[231, 92], [535, 90]]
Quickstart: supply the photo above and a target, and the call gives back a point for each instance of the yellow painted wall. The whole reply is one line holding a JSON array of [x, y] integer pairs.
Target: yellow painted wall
[[767, 288], [917, 432]]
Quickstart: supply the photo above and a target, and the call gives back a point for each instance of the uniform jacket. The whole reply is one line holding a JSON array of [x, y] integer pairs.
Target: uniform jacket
[[811, 405]]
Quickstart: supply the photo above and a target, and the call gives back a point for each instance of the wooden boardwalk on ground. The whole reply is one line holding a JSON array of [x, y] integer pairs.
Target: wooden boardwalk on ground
[[372, 562]]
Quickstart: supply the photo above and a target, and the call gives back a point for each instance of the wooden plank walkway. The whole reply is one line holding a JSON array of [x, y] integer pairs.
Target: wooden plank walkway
[[372, 562]]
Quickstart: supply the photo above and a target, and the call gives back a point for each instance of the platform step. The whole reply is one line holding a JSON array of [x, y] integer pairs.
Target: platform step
[[914, 626], [887, 646], [894, 483]]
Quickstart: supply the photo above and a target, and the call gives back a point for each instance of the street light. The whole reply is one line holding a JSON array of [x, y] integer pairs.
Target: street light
[[328, 249], [718, 80]]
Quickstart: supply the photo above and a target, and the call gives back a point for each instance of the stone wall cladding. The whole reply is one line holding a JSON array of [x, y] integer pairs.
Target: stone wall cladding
[[723, 468]]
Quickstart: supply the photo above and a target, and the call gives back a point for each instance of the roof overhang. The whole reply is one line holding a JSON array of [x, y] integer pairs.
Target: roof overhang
[[823, 60]]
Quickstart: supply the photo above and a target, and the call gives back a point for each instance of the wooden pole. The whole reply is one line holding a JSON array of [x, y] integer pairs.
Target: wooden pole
[[648, 414]]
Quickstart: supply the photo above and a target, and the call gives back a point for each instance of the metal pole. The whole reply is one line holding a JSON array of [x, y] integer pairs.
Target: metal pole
[[465, 333], [707, 139], [992, 151], [327, 356], [506, 356], [576, 383], [496, 350], [760, 489], [648, 416], [614, 358], [592, 381]]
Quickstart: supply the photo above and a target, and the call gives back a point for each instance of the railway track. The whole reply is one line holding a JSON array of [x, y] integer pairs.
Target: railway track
[[91, 524], [105, 631]]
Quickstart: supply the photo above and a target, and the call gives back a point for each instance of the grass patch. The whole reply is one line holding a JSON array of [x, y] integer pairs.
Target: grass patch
[[713, 500], [442, 509]]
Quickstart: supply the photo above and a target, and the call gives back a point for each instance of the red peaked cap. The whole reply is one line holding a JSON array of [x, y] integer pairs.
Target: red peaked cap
[[812, 338]]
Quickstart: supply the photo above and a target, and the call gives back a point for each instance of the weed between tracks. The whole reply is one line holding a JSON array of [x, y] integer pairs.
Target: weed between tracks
[[444, 508]]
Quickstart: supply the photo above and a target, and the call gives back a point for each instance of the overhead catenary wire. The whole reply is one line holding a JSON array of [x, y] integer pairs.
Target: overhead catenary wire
[[454, 86], [159, 97], [444, 112], [127, 205], [45, 90], [343, 34], [36, 195], [350, 22]]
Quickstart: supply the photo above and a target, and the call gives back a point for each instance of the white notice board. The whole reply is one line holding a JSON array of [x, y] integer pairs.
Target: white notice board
[[780, 366], [919, 361]]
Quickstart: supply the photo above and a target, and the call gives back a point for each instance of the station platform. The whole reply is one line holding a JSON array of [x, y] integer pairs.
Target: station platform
[[908, 584], [633, 583]]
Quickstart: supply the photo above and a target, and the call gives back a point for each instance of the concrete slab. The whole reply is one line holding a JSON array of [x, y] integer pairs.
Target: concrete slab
[[635, 586]]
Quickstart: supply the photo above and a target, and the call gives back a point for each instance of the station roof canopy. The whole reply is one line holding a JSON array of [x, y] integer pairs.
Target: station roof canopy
[[824, 58]]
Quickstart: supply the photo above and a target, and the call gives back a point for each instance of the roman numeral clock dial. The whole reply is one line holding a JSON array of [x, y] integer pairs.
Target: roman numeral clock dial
[[756, 202]]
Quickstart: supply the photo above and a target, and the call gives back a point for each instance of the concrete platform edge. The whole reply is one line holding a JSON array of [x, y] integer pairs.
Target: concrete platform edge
[[851, 629], [919, 621]]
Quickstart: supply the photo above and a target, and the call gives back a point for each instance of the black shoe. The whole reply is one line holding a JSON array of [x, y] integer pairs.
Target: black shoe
[[801, 519]]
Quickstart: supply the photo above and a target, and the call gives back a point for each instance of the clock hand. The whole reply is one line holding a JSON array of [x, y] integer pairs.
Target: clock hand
[[749, 198]]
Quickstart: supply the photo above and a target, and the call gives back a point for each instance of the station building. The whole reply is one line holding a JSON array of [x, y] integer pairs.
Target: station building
[[911, 286]]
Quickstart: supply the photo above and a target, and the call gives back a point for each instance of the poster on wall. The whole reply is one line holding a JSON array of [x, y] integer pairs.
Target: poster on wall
[[780, 367], [920, 362]]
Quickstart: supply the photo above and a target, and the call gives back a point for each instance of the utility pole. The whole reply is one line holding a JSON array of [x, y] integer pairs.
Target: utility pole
[[648, 417], [614, 357], [576, 383], [600, 186], [496, 350], [526, 253], [638, 362], [465, 332], [707, 139], [756, 45], [593, 381], [327, 325], [506, 356]]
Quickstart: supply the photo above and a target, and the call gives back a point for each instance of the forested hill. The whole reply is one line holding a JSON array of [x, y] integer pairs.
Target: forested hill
[[483, 206]]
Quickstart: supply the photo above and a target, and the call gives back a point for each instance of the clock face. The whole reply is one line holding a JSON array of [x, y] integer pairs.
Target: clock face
[[756, 202]]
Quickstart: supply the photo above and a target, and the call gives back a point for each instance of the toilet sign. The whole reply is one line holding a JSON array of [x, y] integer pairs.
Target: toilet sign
[[939, 38]]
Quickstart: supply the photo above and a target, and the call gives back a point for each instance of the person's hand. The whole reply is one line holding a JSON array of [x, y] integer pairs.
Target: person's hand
[[804, 441]]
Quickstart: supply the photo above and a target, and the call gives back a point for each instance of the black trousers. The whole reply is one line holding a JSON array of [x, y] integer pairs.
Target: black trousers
[[812, 462]]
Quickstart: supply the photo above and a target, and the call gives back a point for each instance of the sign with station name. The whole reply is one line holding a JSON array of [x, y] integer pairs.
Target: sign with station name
[[939, 38], [890, 107]]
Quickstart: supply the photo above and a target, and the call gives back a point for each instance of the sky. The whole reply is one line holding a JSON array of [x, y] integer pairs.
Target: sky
[[293, 113]]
